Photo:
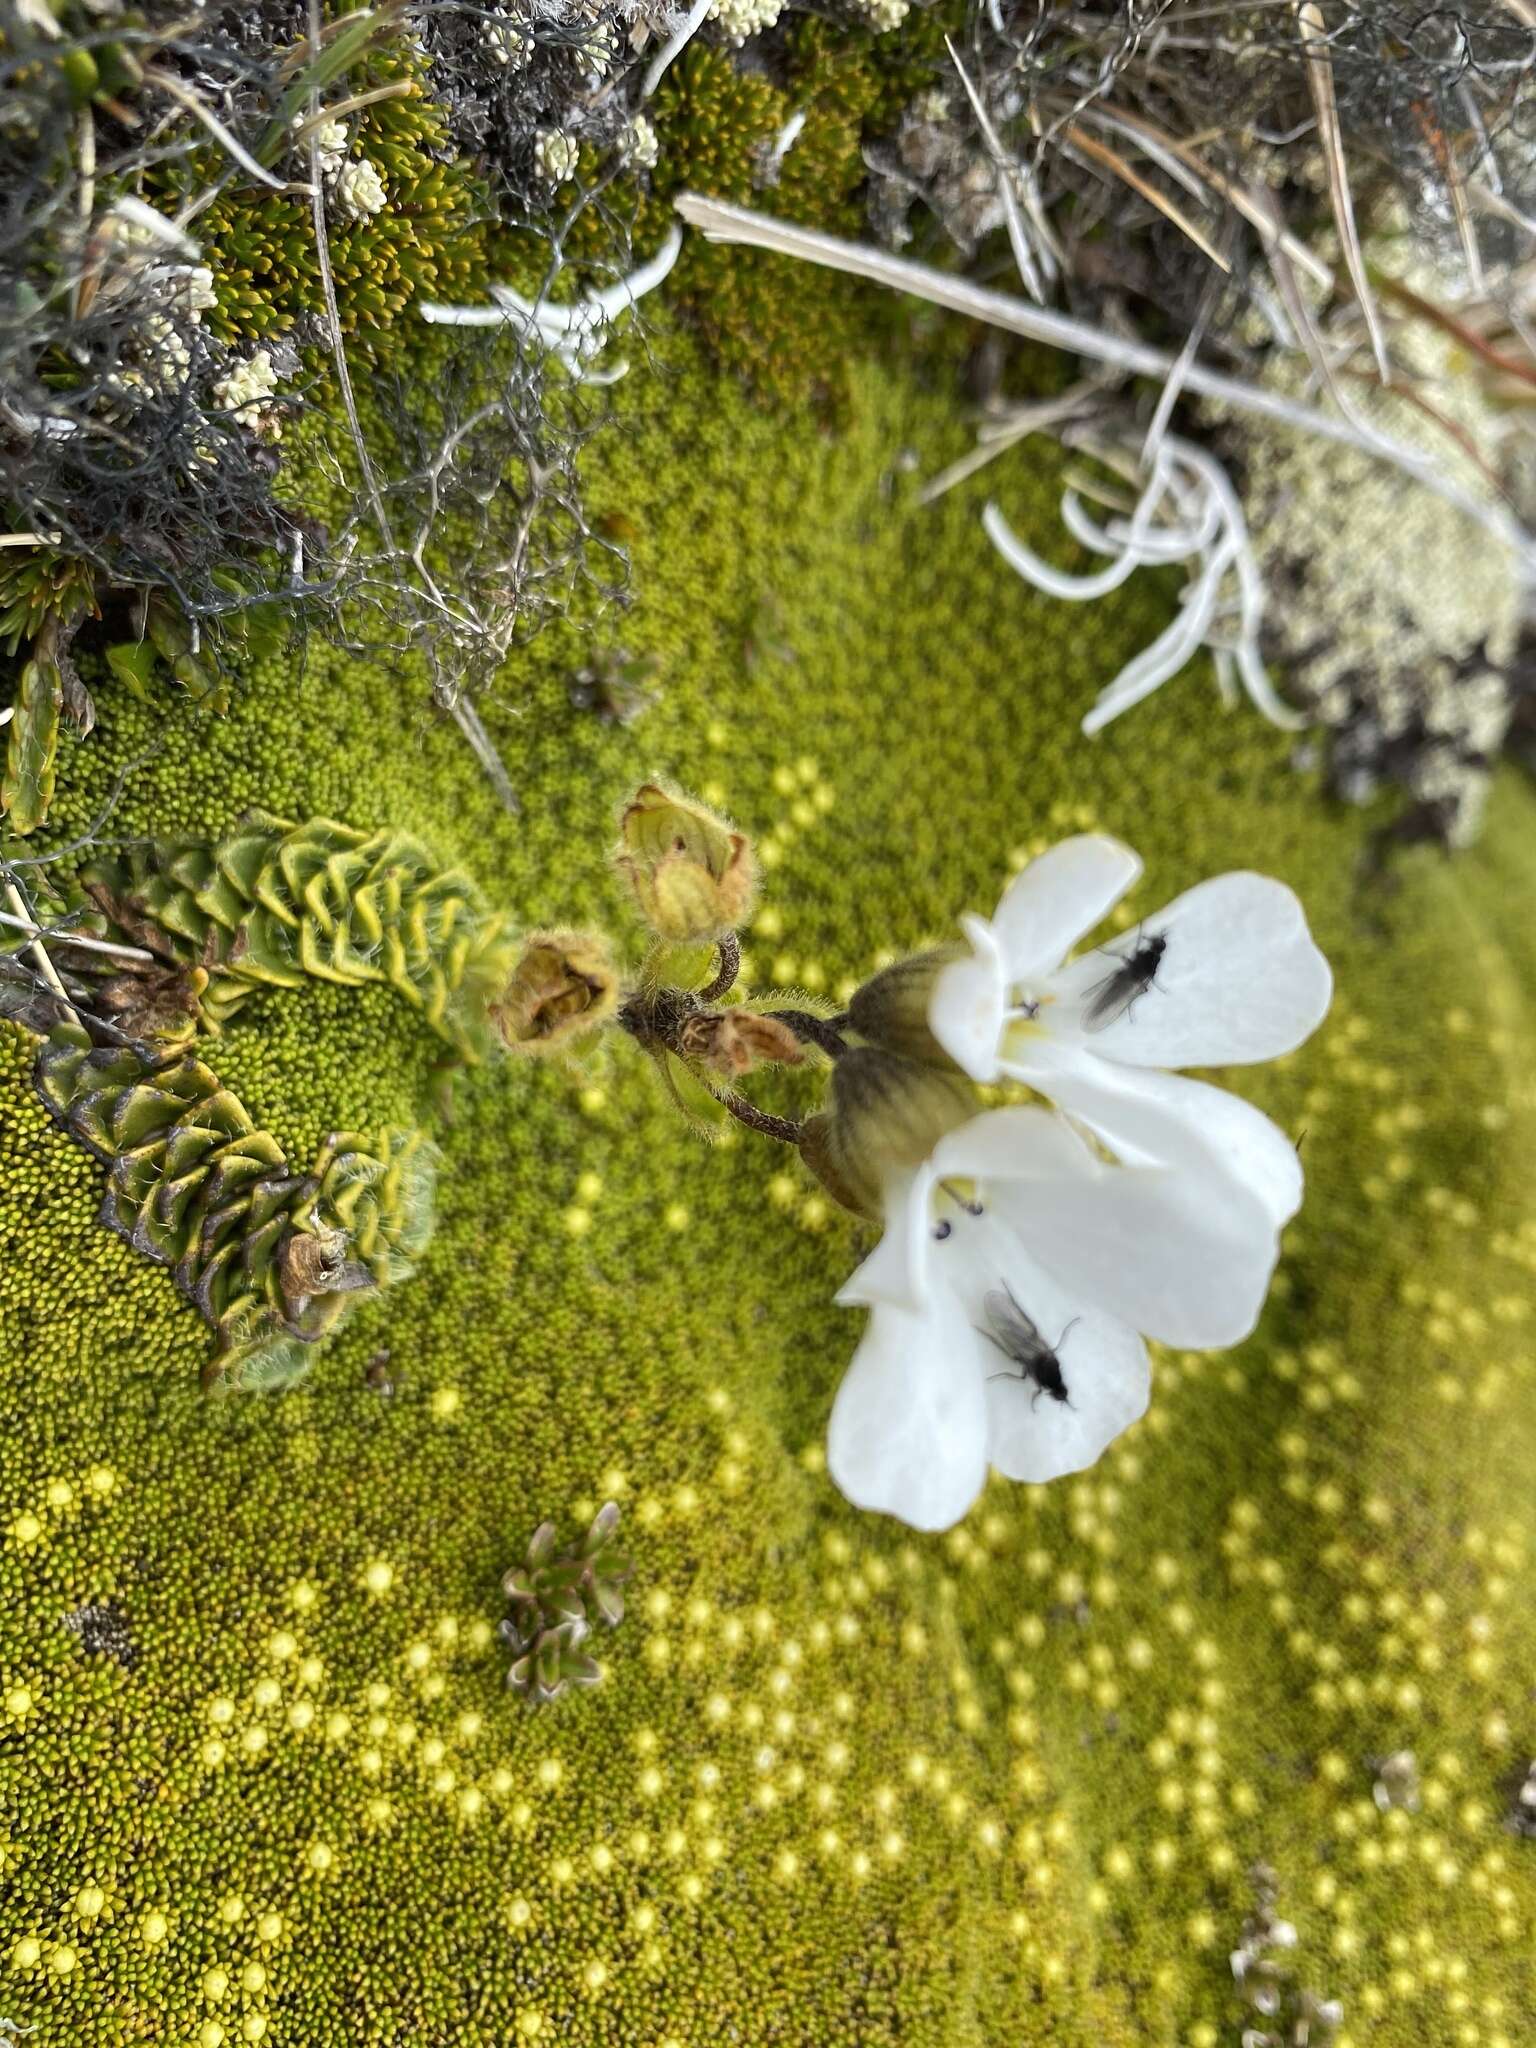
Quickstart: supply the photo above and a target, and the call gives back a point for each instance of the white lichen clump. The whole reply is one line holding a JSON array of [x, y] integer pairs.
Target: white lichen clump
[[555, 154], [601, 51], [360, 190], [1396, 618]]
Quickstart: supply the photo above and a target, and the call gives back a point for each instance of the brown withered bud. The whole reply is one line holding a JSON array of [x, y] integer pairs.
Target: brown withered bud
[[563, 986], [154, 1002], [311, 1262], [732, 1042]]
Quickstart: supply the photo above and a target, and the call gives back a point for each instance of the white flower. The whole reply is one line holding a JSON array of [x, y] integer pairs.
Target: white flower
[[641, 146], [555, 154], [1225, 975], [360, 190], [1007, 1300]]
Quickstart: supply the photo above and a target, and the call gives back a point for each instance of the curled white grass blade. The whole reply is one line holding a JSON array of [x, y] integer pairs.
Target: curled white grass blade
[[721, 221], [1163, 545], [1319, 70], [1156, 664], [583, 318], [674, 47], [1250, 663], [1054, 582]]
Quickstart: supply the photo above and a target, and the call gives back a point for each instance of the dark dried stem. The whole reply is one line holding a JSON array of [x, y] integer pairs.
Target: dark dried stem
[[727, 968], [763, 1121], [810, 1029]]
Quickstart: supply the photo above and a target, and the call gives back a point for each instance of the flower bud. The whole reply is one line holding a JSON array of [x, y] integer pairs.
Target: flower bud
[[693, 877], [564, 985], [732, 1042], [891, 1009], [885, 1116]]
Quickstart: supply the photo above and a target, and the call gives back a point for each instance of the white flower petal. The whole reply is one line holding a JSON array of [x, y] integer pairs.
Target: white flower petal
[[968, 1001], [1183, 1257], [1151, 1118], [1047, 909], [896, 1271], [1108, 1380], [908, 1434], [1014, 1144], [1240, 979]]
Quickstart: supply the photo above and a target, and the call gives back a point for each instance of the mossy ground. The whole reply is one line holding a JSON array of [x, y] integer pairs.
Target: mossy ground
[[842, 1785]]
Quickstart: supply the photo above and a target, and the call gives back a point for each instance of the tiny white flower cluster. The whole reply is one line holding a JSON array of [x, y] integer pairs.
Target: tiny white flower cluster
[[355, 184], [179, 294], [242, 390], [359, 189], [641, 146], [186, 292], [601, 50], [884, 15], [507, 45], [555, 154], [744, 18], [331, 142]]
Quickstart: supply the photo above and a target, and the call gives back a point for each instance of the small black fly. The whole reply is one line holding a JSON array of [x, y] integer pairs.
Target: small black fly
[[1017, 1335], [1116, 994]]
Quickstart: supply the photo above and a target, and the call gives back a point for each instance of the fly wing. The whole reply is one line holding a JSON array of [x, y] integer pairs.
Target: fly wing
[[1107, 998], [1016, 1332]]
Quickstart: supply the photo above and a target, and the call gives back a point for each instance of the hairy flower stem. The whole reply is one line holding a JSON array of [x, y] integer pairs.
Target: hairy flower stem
[[822, 1032], [655, 1019], [763, 1121], [729, 965]]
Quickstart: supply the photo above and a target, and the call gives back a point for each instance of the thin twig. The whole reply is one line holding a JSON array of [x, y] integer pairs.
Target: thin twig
[[674, 47], [1100, 152], [728, 966], [38, 950], [199, 108], [86, 944], [1319, 69], [721, 221]]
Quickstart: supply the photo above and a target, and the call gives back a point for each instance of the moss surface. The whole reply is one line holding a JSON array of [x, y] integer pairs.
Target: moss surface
[[260, 1779]]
